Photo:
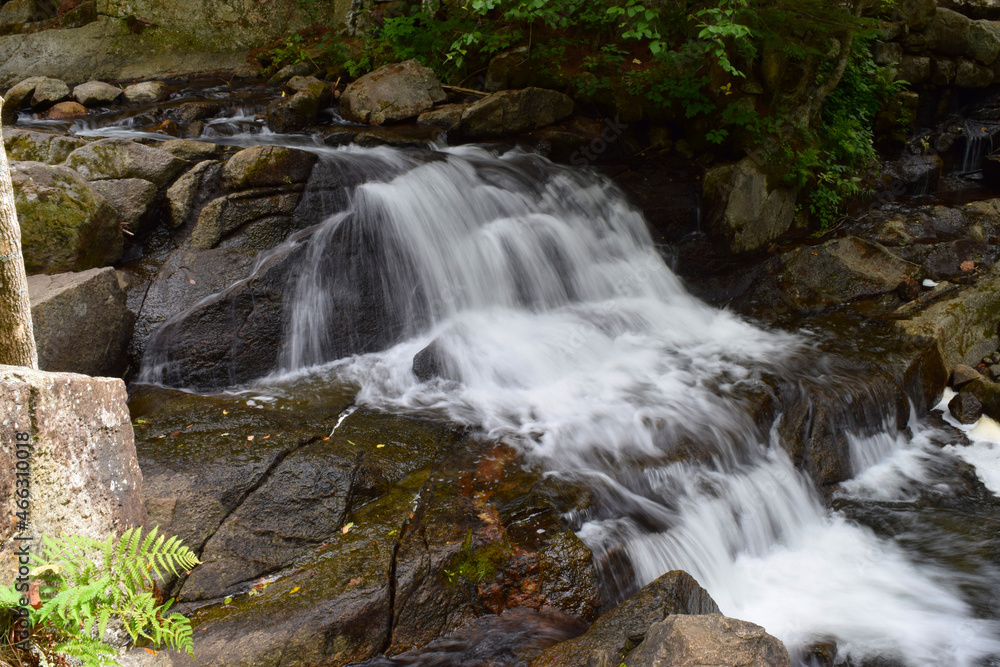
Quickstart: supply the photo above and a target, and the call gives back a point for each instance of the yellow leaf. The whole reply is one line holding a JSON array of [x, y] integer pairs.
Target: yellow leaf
[[346, 528], [225, 412], [54, 569], [227, 601], [295, 590], [379, 446]]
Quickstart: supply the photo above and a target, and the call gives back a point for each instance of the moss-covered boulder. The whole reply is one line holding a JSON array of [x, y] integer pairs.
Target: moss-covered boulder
[[267, 166], [65, 225], [39, 146], [122, 158]]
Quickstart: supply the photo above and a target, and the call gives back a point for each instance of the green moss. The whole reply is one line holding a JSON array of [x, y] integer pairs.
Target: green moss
[[474, 565]]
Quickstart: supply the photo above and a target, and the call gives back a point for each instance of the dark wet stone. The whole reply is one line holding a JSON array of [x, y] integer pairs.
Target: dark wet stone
[[966, 407]]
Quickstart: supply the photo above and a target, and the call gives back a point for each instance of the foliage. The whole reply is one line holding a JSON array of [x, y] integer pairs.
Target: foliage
[[474, 565], [83, 584]]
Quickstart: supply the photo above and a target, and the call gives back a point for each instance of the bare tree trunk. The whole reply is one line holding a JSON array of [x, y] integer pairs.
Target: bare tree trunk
[[17, 339]]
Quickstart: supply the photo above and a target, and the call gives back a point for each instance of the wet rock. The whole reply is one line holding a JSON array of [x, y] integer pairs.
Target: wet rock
[[270, 207], [984, 41], [446, 116], [66, 111], [963, 374], [988, 395], [265, 166], [619, 631], [193, 151], [122, 158], [66, 304], [920, 174], [370, 138], [842, 270], [948, 33], [36, 146], [477, 543], [189, 112], [694, 641], [966, 408], [292, 114], [430, 363], [963, 323], [83, 454], [513, 111], [146, 91], [65, 225], [973, 75], [390, 93], [909, 289], [305, 498], [131, 198], [190, 192], [914, 69], [96, 94], [742, 209], [338, 136], [290, 71]]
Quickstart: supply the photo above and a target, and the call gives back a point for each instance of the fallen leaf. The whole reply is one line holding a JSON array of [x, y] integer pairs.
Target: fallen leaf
[[191, 281], [354, 582], [34, 599], [967, 265], [176, 433], [227, 601], [266, 437], [379, 446], [326, 437], [225, 434], [249, 437], [188, 426], [225, 412], [149, 650], [351, 443], [295, 590], [141, 421], [347, 527]]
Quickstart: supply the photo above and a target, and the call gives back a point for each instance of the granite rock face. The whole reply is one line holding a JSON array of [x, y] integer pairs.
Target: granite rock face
[[83, 474]]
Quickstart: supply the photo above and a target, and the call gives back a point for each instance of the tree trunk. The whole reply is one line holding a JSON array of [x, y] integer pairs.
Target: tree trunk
[[17, 338]]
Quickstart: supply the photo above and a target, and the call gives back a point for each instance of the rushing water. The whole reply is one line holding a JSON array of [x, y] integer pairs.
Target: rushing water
[[552, 322]]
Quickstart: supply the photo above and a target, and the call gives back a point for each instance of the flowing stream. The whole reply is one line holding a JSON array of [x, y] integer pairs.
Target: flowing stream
[[549, 320]]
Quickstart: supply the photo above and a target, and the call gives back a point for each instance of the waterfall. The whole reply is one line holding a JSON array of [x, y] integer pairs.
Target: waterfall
[[978, 144], [533, 305]]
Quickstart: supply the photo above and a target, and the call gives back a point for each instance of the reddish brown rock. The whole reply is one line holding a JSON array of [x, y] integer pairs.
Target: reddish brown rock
[[66, 111]]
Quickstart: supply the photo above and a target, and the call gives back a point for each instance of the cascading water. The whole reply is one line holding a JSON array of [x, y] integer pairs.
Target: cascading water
[[978, 144], [536, 297]]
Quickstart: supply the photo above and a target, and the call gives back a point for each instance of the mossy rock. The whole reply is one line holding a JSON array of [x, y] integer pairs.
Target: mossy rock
[[267, 166], [123, 158], [33, 146], [65, 226]]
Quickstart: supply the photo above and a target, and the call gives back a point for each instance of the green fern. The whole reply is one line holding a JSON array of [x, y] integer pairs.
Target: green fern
[[85, 583]]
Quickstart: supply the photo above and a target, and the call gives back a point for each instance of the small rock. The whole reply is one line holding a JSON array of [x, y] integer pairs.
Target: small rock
[[66, 111], [292, 114], [168, 127], [192, 151], [96, 93], [994, 372], [966, 408], [147, 91], [963, 374], [290, 71], [312, 86], [446, 116], [189, 112], [49, 92], [19, 95]]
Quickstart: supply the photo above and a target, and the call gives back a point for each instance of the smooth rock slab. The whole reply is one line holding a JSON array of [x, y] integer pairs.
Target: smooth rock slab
[[65, 307], [85, 478], [713, 639], [514, 111], [122, 158]]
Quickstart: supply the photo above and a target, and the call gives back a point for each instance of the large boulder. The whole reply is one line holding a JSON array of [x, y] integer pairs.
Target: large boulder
[[972, 75], [48, 92], [266, 166], [83, 471], [842, 270], [263, 218], [620, 630], [21, 11], [65, 304], [38, 146], [390, 93], [948, 33], [915, 13], [19, 95], [292, 114], [742, 209], [65, 225], [131, 198], [963, 324], [122, 158], [713, 639], [514, 111], [984, 41], [977, 9], [96, 93]]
